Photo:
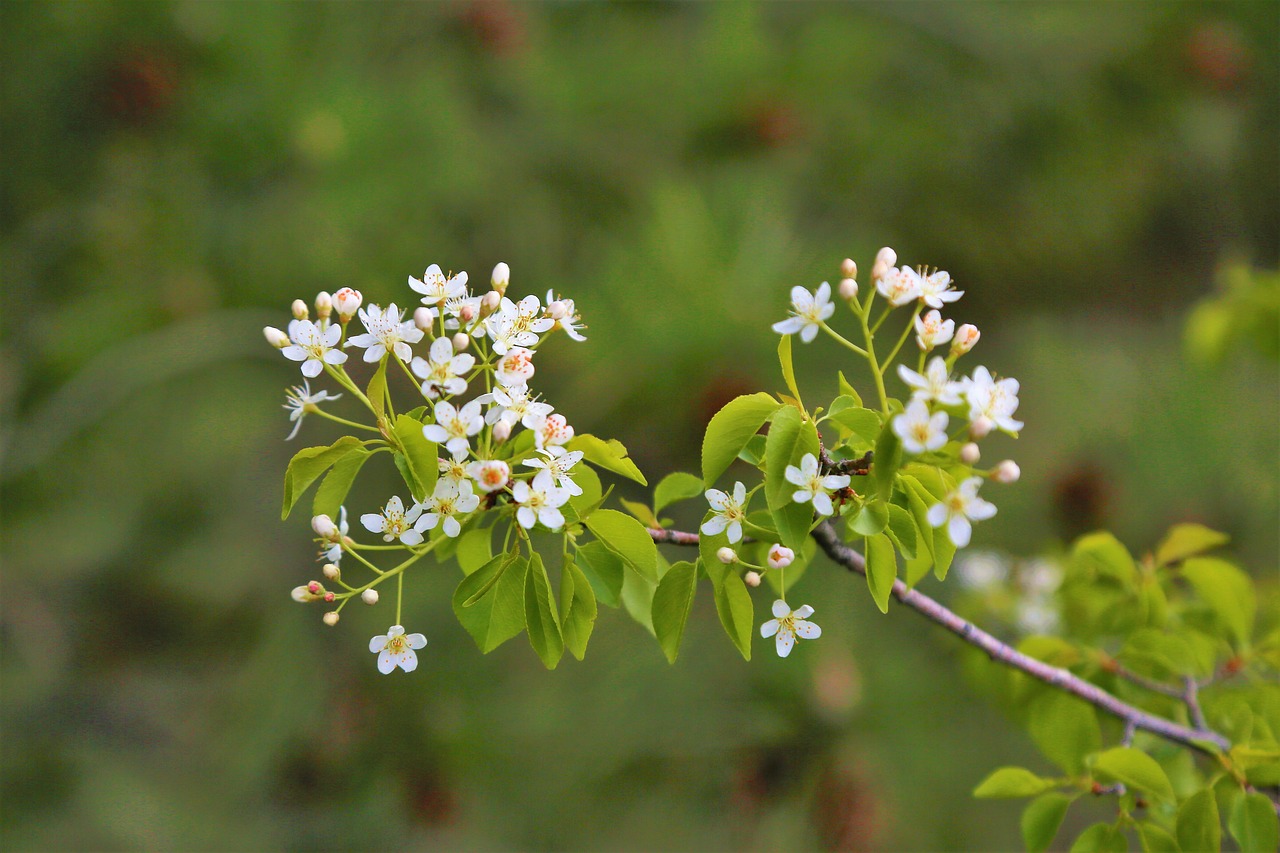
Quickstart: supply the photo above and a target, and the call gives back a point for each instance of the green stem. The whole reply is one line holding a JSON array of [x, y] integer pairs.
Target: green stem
[[369, 565], [843, 341], [395, 571], [340, 374], [412, 378], [322, 413], [876, 372], [399, 596], [884, 315], [905, 334]]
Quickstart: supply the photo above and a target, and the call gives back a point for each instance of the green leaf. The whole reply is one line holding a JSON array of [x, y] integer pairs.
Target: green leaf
[[1156, 839], [918, 504], [1100, 838], [863, 423], [1188, 540], [882, 569], [475, 548], [589, 481], [577, 609], [1228, 591], [753, 451], [420, 453], [1198, 827], [1135, 769], [871, 519], [672, 602], [1065, 728], [1253, 823], [627, 538], [490, 601], [604, 571], [847, 389], [610, 455], [730, 430], [540, 614], [737, 614], [790, 437], [337, 483], [377, 390], [788, 370], [637, 599], [902, 530], [887, 459], [640, 512], [1041, 819], [674, 488], [1102, 555], [916, 568], [1011, 782], [308, 464]]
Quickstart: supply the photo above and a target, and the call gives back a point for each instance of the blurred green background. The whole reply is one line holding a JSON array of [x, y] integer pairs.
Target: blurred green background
[[174, 174]]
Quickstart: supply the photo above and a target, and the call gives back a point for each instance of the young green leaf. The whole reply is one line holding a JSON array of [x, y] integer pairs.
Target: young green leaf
[[672, 602], [1011, 782], [308, 464], [540, 614], [627, 538], [604, 570], [674, 488], [882, 569], [737, 614], [1253, 823], [1198, 822], [788, 369], [640, 512], [475, 548], [420, 453], [610, 455], [1188, 540], [791, 436], [1041, 819], [490, 601], [847, 389], [377, 390], [337, 483], [1228, 592], [577, 609], [1065, 728], [902, 530], [1100, 838], [1135, 769], [1155, 839], [871, 519], [1101, 554], [730, 430], [885, 462], [637, 599], [589, 481], [863, 423]]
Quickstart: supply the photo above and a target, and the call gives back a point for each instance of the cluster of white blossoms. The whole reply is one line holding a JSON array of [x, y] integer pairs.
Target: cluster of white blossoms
[[1029, 602], [505, 336]]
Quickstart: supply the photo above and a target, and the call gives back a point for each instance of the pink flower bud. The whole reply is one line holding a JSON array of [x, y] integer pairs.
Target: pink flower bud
[[467, 313], [330, 618], [329, 596], [966, 336], [324, 305], [299, 309], [324, 527], [348, 302], [848, 289], [314, 587], [727, 555], [331, 571], [275, 337], [751, 579], [886, 259], [369, 596], [981, 427], [557, 310], [501, 277], [848, 269], [422, 318], [1006, 472], [969, 454], [501, 431], [780, 557], [461, 341]]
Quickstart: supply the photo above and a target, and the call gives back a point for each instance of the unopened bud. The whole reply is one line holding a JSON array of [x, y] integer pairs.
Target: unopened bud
[[467, 313], [886, 259], [330, 618], [981, 427], [299, 309], [780, 557], [461, 341], [557, 310], [369, 596], [422, 318], [324, 305], [751, 579], [314, 587], [301, 594], [848, 289], [324, 527], [969, 454], [330, 597], [966, 336], [501, 431], [348, 302], [501, 277], [331, 571], [490, 302], [848, 269], [727, 555], [275, 337], [1006, 472]]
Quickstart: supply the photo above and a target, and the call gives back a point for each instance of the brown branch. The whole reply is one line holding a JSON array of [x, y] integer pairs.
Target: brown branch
[[672, 537], [859, 467]]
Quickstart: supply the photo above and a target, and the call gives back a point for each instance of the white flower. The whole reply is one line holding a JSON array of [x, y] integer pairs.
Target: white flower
[[395, 648], [813, 486], [453, 426], [966, 336], [446, 502], [989, 398], [348, 302], [444, 371], [935, 384], [730, 512], [515, 405], [933, 331], [808, 312], [539, 501], [332, 551], [936, 289], [920, 432], [1039, 578], [490, 474], [1036, 617], [961, 507], [299, 400], [435, 288], [454, 469], [517, 324], [900, 286], [788, 624], [559, 462], [981, 570], [569, 318], [780, 556], [394, 523], [313, 346], [385, 332], [551, 430], [515, 368]]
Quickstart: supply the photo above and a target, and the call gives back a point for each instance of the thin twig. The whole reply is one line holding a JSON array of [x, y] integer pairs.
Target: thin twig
[[1116, 668], [672, 537], [858, 467], [1191, 696]]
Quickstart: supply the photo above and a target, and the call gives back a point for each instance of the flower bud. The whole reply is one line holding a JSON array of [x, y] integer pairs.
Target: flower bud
[[324, 305], [886, 259], [275, 337], [330, 618], [727, 555], [369, 596], [467, 313], [1006, 472], [348, 302], [301, 595], [981, 427], [501, 277], [422, 318], [969, 454], [780, 557], [557, 310], [324, 527], [330, 597], [331, 571], [314, 587], [966, 336], [501, 431], [751, 579], [490, 302], [848, 269], [848, 289], [461, 341], [299, 309]]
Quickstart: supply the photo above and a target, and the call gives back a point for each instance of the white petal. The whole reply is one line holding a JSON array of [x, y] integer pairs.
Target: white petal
[[386, 662], [808, 630], [794, 475], [377, 643], [374, 523], [809, 333], [527, 517], [713, 526], [822, 504], [735, 532], [551, 517], [312, 368], [780, 609], [789, 326], [804, 611], [416, 641], [435, 433], [937, 515], [785, 641], [411, 537], [980, 510], [767, 630], [718, 499], [408, 660], [451, 527], [959, 530]]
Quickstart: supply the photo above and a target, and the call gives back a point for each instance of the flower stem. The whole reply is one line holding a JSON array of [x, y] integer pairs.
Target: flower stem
[[844, 341], [322, 413], [399, 596], [340, 374], [876, 372], [905, 334]]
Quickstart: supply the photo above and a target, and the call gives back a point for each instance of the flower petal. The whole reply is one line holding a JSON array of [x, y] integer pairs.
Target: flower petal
[[767, 630], [785, 641], [780, 609], [807, 630]]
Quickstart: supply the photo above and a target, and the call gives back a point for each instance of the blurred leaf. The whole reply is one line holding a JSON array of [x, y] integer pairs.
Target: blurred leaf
[[1041, 819], [788, 370], [1156, 839], [1065, 728], [641, 513], [1012, 782], [902, 530], [848, 390], [1253, 823], [1228, 591], [577, 609], [1101, 554], [1100, 838], [1187, 540], [1135, 769], [1198, 822], [674, 488], [730, 429]]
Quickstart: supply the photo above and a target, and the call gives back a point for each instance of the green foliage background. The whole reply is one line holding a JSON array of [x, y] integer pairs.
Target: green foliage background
[[174, 174]]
